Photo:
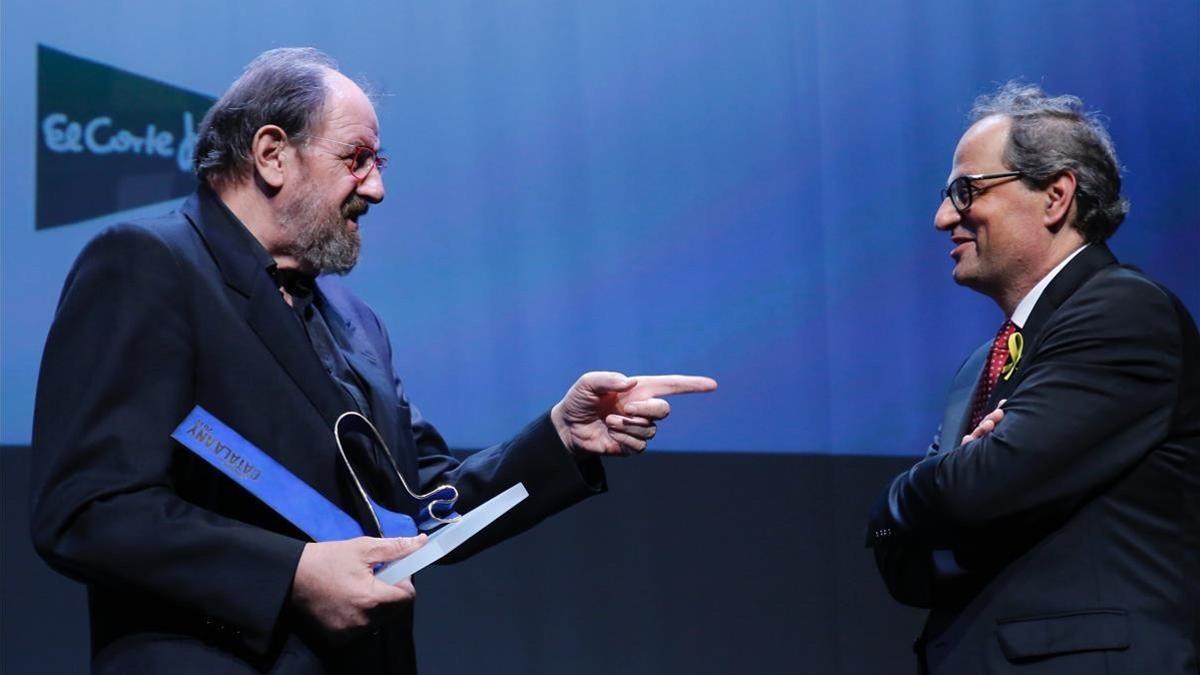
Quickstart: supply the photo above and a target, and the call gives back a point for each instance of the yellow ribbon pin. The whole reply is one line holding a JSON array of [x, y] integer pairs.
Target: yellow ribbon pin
[[1015, 344]]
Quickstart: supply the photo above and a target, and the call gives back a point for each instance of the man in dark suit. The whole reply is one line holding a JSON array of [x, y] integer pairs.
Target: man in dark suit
[[1060, 532], [218, 305]]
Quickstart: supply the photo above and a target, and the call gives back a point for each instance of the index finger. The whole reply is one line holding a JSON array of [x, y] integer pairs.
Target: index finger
[[653, 386]]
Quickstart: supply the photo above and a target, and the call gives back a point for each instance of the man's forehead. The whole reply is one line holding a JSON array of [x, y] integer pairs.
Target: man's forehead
[[348, 111], [982, 144]]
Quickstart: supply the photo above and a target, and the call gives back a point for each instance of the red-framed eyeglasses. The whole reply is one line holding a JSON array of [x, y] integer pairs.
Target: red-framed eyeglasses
[[360, 163]]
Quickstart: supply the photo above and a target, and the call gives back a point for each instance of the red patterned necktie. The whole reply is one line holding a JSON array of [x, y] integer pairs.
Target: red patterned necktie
[[991, 373]]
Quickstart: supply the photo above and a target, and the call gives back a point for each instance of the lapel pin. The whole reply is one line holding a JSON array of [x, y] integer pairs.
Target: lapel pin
[[1015, 344]]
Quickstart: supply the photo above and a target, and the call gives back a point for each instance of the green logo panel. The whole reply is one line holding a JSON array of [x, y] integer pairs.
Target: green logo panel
[[109, 140]]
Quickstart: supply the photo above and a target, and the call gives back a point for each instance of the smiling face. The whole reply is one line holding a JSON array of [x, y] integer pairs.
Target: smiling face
[[321, 205], [1000, 243]]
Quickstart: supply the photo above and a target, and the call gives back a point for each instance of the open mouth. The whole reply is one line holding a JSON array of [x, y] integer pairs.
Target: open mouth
[[354, 209], [352, 217], [961, 244]]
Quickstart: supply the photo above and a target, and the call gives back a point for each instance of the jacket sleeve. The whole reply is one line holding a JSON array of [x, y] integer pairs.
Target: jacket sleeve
[[905, 564], [535, 457], [1096, 397], [116, 378]]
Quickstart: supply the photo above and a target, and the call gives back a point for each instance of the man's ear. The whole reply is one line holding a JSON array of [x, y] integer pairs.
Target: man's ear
[[268, 150], [1059, 195]]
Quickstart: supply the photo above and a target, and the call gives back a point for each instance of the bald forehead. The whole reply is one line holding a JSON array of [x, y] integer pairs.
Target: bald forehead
[[981, 148], [340, 85], [348, 110]]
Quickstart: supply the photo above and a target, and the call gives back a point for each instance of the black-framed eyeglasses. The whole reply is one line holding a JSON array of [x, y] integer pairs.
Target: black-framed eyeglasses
[[360, 162], [962, 190]]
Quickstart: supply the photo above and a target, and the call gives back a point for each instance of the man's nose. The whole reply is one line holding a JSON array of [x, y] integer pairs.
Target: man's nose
[[947, 216], [371, 189]]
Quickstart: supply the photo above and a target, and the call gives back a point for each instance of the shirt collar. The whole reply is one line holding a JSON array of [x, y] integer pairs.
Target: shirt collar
[[261, 257], [297, 283], [1021, 314]]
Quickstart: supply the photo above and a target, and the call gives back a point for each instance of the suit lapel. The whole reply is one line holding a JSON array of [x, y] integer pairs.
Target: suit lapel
[[958, 405], [231, 245], [1089, 261], [1079, 270], [376, 376]]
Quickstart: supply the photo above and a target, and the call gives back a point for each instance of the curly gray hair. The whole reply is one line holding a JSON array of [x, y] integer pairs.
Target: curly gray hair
[[1050, 135]]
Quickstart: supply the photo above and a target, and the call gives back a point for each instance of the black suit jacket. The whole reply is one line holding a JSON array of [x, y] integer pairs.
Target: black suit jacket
[[1076, 522], [185, 571]]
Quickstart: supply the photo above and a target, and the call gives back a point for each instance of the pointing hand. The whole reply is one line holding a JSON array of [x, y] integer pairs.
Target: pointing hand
[[610, 414]]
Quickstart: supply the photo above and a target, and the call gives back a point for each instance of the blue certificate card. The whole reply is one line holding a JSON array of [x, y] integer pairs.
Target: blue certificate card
[[259, 473]]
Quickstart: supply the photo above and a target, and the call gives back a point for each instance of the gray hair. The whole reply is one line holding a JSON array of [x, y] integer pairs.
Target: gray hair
[[1050, 135], [285, 87]]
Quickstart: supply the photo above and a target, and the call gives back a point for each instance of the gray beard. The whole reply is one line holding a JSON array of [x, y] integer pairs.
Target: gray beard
[[321, 243]]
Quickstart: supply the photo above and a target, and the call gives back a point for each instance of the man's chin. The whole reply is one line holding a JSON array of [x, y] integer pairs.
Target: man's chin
[[342, 271], [975, 280], [964, 276], [341, 266], [339, 262]]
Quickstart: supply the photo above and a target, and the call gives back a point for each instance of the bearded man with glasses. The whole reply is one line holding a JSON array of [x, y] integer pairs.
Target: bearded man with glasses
[[219, 306], [1052, 526]]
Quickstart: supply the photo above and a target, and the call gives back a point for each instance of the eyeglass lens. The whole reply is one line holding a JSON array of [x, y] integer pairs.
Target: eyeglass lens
[[364, 161], [960, 192]]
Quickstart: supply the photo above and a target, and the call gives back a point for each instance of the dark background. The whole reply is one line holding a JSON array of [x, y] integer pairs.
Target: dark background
[[691, 563]]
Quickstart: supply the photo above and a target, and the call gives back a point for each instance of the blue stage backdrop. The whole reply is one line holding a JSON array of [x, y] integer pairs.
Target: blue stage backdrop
[[740, 189]]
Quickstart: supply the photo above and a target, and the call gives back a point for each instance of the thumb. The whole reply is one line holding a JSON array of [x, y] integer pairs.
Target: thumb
[[604, 382], [387, 550]]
